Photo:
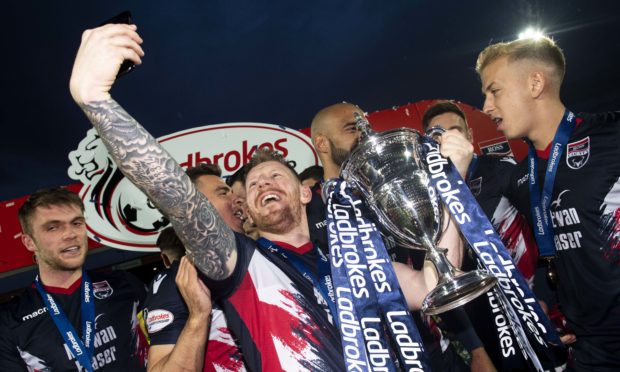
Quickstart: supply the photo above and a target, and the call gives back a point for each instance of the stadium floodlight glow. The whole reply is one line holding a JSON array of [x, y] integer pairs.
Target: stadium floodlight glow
[[531, 33]]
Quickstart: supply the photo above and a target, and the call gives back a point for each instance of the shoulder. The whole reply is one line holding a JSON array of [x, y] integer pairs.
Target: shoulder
[[116, 276], [497, 160], [164, 277], [9, 323], [317, 198], [164, 307], [26, 305], [246, 247], [494, 166], [604, 122], [163, 289], [23, 313], [600, 118]]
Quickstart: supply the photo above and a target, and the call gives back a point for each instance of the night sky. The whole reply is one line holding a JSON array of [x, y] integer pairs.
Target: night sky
[[275, 61]]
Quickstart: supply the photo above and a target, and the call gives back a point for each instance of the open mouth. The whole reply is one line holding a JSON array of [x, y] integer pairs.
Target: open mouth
[[268, 198], [239, 214], [71, 250], [497, 121]]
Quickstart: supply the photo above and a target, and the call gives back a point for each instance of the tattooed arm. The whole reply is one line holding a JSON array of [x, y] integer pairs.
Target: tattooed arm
[[209, 241]]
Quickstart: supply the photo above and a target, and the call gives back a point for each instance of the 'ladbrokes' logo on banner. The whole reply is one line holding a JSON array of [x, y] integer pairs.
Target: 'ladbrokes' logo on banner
[[121, 216]]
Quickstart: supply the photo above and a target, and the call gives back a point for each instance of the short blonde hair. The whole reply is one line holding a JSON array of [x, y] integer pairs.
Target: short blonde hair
[[542, 50]]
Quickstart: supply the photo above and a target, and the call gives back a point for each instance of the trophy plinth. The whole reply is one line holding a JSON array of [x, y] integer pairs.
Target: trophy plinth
[[388, 170], [455, 287]]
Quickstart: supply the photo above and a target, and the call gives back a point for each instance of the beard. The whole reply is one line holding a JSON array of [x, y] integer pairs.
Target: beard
[[56, 263], [338, 154], [279, 222]]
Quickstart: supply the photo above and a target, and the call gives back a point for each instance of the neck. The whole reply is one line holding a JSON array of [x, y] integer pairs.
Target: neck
[[297, 236], [330, 170], [547, 122], [58, 278]]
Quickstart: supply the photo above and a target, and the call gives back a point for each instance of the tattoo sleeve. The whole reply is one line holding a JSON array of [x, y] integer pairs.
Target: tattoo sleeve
[[208, 240]]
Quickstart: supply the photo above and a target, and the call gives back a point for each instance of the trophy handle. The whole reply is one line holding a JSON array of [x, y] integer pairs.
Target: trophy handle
[[434, 131]]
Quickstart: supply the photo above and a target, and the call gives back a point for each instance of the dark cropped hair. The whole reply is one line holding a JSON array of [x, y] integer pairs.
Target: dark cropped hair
[[203, 169], [440, 109], [237, 176], [170, 244], [46, 198], [313, 171], [263, 155]]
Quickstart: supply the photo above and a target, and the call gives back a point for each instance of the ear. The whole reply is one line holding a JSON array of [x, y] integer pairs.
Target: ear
[[321, 143], [306, 194], [29, 242], [537, 82], [470, 133], [165, 259]]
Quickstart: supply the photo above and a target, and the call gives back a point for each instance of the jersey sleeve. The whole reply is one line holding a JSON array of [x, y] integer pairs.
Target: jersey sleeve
[[165, 312], [221, 289], [10, 359], [505, 168]]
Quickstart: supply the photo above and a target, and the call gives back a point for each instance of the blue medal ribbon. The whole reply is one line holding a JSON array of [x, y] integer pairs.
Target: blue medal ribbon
[[522, 308], [543, 229], [324, 281], [367, 290], [473, 165], [82, 349]]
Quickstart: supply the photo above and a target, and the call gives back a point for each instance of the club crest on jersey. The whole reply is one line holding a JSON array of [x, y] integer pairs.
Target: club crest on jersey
[[578, 153], [102, 290]]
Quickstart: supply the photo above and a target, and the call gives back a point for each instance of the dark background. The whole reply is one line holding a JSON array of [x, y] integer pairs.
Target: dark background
[[274, 61]]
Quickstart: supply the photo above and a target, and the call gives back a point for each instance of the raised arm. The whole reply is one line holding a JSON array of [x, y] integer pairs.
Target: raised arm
[[209, 241]]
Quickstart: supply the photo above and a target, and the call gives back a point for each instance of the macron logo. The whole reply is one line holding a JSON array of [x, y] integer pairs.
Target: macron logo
[[157, 283], [34, 314]]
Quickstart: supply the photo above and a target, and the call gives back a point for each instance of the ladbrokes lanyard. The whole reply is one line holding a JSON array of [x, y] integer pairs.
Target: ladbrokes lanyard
[[372, 312], [81, 349], [530, 324]]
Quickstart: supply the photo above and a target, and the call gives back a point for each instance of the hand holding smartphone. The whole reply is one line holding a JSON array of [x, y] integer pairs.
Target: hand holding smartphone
[[125, 17]]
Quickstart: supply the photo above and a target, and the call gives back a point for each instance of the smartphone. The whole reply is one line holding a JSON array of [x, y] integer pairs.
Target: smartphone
[[125, 17]]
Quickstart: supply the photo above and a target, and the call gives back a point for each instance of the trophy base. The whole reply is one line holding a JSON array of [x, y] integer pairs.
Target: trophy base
[[452, 293]]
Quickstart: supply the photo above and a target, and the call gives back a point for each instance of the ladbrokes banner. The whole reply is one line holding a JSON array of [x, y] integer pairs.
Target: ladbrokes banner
[[118, 211], [121, 216]]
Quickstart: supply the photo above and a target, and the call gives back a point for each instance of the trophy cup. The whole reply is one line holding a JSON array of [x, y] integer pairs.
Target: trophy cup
[[387, 169]]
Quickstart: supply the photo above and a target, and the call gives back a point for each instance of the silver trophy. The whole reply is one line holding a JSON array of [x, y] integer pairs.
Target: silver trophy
[[387, 169]]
